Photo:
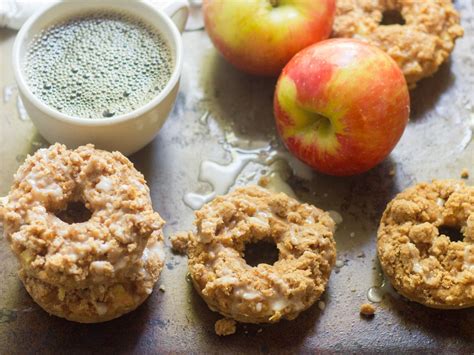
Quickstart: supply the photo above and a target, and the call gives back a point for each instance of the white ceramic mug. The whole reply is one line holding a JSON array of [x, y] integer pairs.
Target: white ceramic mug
[[126, 133]]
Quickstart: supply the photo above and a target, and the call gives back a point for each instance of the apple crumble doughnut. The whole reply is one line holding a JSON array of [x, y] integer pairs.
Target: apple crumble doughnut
[[422, 262], [80, 258], [100, 302], [265, 293], [419, 46]]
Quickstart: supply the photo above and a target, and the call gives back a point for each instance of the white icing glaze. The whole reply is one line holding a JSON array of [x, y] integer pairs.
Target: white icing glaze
[[226, 271], [277, 280], [219, 249], [279, 303], [155, 251], [117, 230], [250, 295], [19, 237], [205, 226], [44, 154], [265, 214], [227, 280], [429, 276], [72, 253], [101, 308], [259, 221], [105, 184], [3, 200], [293, 235], [42, 183], [417, 267], [160, 251], [139, 185], [37, 213], [100, 266], [44, 187]]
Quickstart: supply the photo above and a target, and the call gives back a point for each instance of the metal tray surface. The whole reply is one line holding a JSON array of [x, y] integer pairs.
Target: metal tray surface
[[219, 108]]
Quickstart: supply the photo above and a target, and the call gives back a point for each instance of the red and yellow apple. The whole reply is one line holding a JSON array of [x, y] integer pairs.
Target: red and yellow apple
[[261, 36], [341, 106]]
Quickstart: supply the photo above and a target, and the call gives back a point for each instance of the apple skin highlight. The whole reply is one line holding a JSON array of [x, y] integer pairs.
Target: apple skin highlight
[[341, 106], [260, 38]]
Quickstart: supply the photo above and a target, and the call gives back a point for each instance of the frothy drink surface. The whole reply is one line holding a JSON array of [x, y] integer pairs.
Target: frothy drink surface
[[98, 65]]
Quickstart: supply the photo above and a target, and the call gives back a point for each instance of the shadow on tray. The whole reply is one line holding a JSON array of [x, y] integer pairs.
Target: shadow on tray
[[446, 324], [50, 334], [428, 91], [256, 337], [243, 101]]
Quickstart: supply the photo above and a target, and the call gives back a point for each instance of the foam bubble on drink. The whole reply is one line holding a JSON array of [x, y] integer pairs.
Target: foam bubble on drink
[[98, 65]]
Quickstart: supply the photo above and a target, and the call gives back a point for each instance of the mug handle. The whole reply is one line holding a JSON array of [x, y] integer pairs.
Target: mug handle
[[177, 10]]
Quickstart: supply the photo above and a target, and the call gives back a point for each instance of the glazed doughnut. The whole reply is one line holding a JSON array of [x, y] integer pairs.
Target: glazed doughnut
[[419, 46], [120, 244], [422, 262], [100, 302], [265, 293]]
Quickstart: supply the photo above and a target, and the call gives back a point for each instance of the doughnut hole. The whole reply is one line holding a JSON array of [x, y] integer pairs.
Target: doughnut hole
[[455, 221], [261, 252], [75, 212], [453, 233], [392, 17], [259, 243]]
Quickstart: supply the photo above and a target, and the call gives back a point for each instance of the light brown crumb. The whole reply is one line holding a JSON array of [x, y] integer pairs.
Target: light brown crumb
[[162, 288], [367, 310], [179, 242], [225, 326], [264, 181], [465, 173], [392, 172], [260, 330]]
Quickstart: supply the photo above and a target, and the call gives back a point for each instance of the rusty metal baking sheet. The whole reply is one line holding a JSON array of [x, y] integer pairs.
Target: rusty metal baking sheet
[[216, 108]]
